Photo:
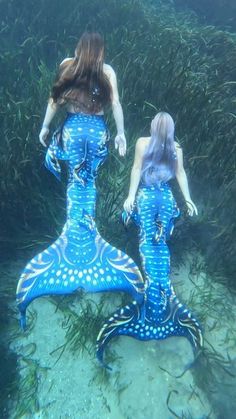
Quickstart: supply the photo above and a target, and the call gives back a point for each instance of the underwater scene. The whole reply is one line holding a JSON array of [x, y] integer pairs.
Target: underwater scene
[[117, 209]]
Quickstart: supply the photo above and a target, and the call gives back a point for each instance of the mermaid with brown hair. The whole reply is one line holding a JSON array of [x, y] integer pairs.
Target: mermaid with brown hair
[[80, 258], [85, 84]]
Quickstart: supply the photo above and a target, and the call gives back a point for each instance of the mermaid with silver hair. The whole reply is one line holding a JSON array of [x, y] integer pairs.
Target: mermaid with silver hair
[[150, 203]]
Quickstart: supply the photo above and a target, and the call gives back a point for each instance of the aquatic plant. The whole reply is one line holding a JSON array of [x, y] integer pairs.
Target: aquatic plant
[[81, 326], [212, 369], [216, 12], [9, 377], [27, 400], [206, 297]]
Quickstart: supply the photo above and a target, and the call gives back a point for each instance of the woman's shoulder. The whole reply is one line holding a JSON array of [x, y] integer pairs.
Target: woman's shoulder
[[107, 67], [143, 140], [177, 146], [108, 70], [140, 148], [142, 143], [66, 61]]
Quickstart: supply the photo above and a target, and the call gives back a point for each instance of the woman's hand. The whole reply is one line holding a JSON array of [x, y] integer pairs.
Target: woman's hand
[[192, 209], [43, 136], [129, 204], [120, 144]]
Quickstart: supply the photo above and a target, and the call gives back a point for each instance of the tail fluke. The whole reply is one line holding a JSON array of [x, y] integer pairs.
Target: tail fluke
[[186, 324], [173, 319], [117, 325]]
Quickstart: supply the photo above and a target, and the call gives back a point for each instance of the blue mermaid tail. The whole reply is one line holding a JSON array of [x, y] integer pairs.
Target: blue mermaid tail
[[82, 261], [165, 316], [79, 258]]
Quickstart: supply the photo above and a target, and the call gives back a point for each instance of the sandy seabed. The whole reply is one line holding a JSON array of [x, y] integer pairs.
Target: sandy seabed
[[144, 380]]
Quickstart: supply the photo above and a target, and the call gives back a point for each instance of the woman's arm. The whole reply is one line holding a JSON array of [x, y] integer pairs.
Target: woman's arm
[[183, 182], [50, 113], [135, 174], [51, 110], [120, 140]]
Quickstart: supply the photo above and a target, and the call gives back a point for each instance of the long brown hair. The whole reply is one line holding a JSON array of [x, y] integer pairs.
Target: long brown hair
[[84, 72]]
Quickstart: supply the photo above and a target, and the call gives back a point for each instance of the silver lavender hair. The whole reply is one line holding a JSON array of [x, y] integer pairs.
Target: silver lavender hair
[[160, 161]]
